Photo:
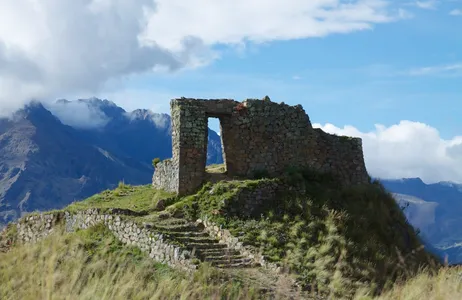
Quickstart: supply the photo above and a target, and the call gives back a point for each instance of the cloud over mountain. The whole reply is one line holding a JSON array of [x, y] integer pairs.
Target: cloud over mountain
[[57, 48], [407, 149], [53, 48]]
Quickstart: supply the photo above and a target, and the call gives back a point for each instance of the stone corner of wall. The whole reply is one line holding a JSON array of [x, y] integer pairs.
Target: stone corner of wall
[[166, 176]]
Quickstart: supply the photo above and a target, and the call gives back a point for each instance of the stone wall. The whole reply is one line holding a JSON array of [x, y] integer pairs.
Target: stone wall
[[31, 229], [36, 227], [253, 198], [256, 136], [131, 233], [340, 155], [166, 175]]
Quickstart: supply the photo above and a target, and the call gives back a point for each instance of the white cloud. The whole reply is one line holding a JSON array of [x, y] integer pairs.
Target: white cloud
[[132, 99], [235, 21], [58, 47], [55, 47], [455, 68], [430, 4], [456, 12], [78, 114], [407, 149], [160, 120]]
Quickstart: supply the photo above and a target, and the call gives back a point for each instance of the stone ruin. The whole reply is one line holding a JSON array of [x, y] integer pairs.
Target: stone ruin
[[257, 136]]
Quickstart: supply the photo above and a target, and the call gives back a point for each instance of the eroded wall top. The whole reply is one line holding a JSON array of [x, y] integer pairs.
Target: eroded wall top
[[257, 136]]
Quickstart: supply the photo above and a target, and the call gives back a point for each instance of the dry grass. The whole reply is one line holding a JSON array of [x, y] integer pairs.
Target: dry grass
[[91, 264], [445, 285]]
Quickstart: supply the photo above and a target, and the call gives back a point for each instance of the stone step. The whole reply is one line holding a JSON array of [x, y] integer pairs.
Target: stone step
[[200, 240], [205, 246], [219, 257], [176, 228], [222, 251], [234, 265], [180, 234], [173, 221], [229, 260]]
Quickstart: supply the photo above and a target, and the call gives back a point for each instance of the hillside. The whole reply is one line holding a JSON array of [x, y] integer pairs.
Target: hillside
[[314, 236], [434, 210], [45, 164]]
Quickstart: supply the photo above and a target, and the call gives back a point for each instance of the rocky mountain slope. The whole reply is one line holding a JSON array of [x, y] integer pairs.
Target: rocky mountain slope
[[436, 210], [45, 164]]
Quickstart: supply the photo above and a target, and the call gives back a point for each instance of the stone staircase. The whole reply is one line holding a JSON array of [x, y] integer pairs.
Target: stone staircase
[[195, 239]]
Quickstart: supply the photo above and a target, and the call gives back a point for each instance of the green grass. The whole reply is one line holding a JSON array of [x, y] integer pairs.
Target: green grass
[[340, 242], [135, 198], [92, 264], [336, 239], [214, 197]]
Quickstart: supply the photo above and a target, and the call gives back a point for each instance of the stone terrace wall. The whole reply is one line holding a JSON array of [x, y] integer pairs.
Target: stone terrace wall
[[256, 136], [34, 228], [251, 201], [166, 175], [130, 233]]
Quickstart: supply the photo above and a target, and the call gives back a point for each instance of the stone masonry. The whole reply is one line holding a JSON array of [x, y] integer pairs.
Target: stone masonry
[[257, 135]]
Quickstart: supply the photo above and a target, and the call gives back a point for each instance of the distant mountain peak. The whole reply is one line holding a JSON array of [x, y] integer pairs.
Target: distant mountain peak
[[98, 102], [159, 119], [35, 111], [415, 180]]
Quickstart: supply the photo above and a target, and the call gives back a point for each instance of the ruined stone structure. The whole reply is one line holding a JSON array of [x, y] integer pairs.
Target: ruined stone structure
[[257, 135]]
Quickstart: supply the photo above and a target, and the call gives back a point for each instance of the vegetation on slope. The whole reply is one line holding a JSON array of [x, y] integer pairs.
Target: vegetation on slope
[[92, 264], [136, 198], [446, 284], [336, 239]]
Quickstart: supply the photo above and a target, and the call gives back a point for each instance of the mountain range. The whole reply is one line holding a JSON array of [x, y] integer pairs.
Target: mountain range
[[53, 155], [435, 209], [46, 164]]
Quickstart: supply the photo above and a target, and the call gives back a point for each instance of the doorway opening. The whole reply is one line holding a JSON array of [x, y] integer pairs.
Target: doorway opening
[[216, 158]]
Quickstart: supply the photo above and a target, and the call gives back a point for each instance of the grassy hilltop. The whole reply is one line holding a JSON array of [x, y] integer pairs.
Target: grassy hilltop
[[337, 243]]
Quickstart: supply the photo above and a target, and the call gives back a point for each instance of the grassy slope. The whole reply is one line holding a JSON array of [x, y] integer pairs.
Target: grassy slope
[[337, 240], [92, 264], [135, 198], [444, 285]]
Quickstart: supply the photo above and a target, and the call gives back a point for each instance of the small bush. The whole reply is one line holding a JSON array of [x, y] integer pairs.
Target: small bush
[[155, 161]]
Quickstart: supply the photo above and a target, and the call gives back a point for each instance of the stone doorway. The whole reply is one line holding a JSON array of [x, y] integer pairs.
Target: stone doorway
[[218, 171]]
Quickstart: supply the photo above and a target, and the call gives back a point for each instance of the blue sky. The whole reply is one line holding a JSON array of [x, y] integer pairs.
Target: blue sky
[[387, 71], [360, 78]]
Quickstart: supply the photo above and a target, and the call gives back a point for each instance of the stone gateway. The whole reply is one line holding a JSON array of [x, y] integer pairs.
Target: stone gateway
[[257, 136]]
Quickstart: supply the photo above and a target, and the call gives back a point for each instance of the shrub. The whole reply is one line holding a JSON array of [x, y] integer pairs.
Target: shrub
[[155, 161]]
